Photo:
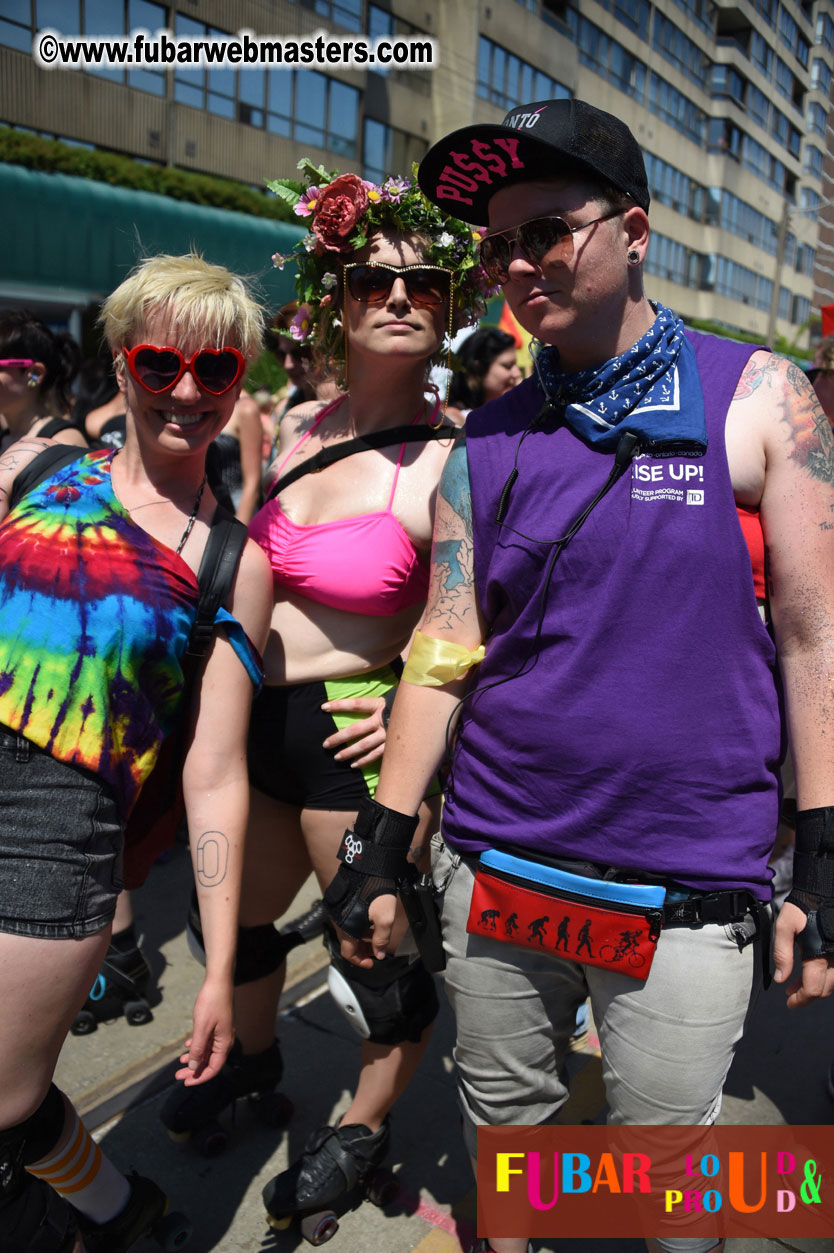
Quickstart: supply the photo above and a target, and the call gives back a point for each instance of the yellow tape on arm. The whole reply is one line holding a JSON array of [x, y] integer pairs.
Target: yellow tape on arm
[[432, 662]]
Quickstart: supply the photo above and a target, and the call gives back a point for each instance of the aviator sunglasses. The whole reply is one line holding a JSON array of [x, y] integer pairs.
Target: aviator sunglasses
[[537, 239], [371, 284], [214, 370]]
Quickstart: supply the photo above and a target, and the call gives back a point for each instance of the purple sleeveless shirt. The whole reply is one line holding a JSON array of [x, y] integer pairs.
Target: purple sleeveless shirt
[[647, 735]]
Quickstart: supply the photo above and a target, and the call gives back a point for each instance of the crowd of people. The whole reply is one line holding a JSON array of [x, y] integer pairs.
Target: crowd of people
[[522, 645]]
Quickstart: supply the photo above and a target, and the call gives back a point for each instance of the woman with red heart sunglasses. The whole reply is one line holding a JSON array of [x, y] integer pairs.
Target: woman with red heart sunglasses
[[98, 596]]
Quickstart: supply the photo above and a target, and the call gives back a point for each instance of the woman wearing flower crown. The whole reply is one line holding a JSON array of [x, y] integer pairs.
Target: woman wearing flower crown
[[383, 277]]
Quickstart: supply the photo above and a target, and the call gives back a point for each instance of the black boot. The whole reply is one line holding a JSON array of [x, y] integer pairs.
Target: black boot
[[144, 1214]]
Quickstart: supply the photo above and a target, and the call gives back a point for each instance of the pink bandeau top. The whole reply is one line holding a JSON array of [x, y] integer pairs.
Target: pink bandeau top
[[365, 564]]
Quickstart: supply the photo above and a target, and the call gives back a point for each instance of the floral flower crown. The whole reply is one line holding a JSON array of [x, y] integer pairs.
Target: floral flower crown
[[345, 211]]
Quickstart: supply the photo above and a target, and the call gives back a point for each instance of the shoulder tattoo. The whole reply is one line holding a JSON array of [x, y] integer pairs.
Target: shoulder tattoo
[[452, 564]]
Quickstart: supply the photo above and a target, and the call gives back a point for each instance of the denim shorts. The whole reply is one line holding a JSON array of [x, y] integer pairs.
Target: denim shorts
[[61, 845]]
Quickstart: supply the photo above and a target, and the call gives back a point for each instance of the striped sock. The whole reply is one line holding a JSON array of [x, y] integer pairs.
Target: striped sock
[[81, 1174]]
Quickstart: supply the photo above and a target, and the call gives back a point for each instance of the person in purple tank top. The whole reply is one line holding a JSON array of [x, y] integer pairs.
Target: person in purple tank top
[[592, 639]]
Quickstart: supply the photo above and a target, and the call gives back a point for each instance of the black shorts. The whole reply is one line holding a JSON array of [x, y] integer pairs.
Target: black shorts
[[286, 734]]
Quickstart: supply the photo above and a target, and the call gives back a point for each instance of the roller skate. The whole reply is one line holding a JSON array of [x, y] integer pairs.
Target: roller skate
[[119, 988], [195, 1111], [339, 1166], [144, 1215]]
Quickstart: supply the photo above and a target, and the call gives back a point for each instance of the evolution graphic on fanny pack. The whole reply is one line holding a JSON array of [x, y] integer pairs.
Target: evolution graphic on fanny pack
[[596, 922]]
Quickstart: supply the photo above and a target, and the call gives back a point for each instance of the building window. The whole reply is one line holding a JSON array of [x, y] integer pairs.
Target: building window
[[817, 118], [506, 80], [699, 11], [346, 13], [724, 136], [309, 107], [758, 106], [761, 53], [670, 259], [809, 199], [821, 75], [387, 150], [824, 33], [800, 310], [672, 187], [384, 25], [607, 57], [805, 259], [669, 40], [738, 283], [726, 81], [677, 109], [739, 217], [153, 17], [634, 14], [813, 161]]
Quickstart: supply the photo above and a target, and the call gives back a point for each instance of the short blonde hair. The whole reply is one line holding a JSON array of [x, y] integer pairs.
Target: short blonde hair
[[205, 302]]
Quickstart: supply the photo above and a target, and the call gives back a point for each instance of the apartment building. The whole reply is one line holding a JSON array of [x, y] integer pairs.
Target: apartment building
[[730, 100]]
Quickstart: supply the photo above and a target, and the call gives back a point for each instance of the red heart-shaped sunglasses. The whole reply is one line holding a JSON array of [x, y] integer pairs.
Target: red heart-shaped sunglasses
[[215, 370]]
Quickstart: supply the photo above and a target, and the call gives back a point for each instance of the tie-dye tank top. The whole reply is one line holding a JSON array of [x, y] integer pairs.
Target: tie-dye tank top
[[95, 615]]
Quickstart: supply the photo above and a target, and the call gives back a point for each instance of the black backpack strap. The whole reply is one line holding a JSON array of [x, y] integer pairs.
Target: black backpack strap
[[221, 557], [41, 466], [54, 427], [360, 443]]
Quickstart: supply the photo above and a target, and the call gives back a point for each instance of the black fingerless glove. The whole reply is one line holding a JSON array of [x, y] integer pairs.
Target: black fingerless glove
[[813, 880], [374, 861]]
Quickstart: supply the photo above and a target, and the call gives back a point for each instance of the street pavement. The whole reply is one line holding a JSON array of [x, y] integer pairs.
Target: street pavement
[[119, 1076]]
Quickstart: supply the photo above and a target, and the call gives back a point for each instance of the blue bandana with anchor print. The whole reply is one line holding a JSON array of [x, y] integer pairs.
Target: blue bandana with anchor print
[[652, 389]]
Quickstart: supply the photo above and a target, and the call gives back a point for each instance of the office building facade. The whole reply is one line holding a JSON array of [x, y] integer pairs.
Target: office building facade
[[730, 100]]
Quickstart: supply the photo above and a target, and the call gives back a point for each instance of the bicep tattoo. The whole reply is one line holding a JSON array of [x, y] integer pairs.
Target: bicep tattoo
[[211, 859], [790, 393], [809, 428], [452, 565]]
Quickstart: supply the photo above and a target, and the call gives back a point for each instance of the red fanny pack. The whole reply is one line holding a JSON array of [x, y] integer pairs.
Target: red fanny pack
[[596, 922]]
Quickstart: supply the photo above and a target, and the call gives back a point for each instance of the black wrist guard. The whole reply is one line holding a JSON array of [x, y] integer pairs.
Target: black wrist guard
[[374, 861], [813, 880]]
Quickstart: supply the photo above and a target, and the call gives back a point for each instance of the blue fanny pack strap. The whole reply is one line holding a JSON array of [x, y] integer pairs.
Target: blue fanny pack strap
[[650, 896]]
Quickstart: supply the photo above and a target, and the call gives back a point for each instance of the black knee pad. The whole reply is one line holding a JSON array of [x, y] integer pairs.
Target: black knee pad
[[392, 1002], [33, 1138], [32, 1215], [260, 950]]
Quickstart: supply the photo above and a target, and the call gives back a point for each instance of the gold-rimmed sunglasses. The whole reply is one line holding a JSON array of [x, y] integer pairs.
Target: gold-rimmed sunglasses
[[538, 239], [371, 282]]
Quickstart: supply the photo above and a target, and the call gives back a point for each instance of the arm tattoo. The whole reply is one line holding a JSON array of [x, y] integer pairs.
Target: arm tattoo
[[452, 559], [454, 485], [808, 429], [211, 858]]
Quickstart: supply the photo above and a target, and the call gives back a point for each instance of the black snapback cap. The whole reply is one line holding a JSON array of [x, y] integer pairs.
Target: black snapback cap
[[463, 171]]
